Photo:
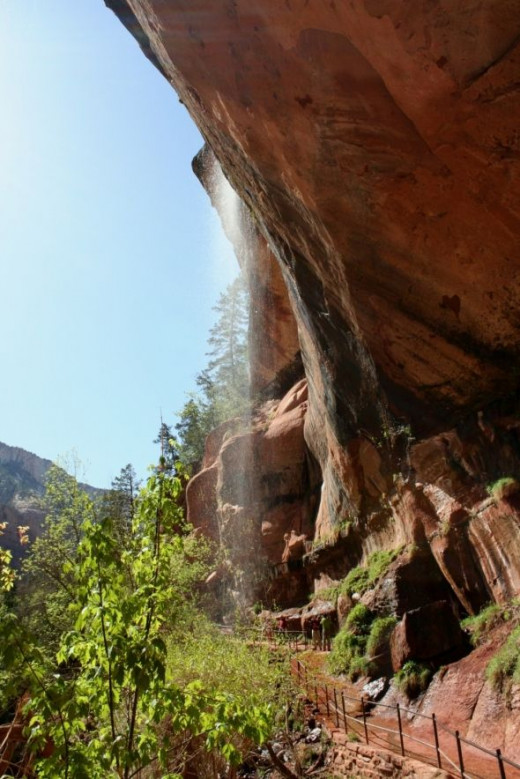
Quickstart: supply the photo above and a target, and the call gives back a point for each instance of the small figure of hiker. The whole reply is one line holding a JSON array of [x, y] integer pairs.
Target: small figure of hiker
[[326, 632], [282, 624], [315, 632]]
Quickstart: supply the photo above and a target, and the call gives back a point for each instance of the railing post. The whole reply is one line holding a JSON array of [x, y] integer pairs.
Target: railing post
[[459, 750], [336, 707], [400, 728], [345, 721], [327, 700], [436, 737], [501, 765], [364, 718]]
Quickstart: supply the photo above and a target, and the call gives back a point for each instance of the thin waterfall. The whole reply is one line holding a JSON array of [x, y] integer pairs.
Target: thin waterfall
[[237, 520]]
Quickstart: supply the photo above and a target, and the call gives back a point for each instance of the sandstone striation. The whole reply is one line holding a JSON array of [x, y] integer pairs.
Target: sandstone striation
[[374, 147]]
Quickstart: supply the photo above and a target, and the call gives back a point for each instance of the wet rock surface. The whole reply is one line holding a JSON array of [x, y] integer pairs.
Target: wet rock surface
[[376, 147]]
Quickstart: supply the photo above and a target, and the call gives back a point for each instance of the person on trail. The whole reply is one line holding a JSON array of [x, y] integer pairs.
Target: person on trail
[[326, 632], [315, 633], [282, 624]]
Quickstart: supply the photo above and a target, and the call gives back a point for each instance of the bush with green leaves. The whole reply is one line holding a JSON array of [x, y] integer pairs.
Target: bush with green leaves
[[363, 577], [504, 668], [46, 589], [413, 678], [349, 645], [113, 703], [482, 623], [503, 487], [380, 631], [362, 638]]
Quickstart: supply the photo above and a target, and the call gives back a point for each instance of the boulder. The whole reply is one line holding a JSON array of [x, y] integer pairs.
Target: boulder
[[426, 633]]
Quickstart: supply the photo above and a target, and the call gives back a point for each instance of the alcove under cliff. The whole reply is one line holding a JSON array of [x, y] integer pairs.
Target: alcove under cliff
[[375, 145]]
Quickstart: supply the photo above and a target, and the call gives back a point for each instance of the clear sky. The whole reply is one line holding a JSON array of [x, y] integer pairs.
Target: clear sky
[[110, 253]]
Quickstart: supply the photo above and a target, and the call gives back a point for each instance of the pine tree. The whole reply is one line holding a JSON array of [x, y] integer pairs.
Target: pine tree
[[224, 383], [120, 501]]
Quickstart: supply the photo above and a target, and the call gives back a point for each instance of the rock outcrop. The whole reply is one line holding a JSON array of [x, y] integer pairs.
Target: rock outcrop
[[374, 147], [22, 476], [22, 485], [377, 151]]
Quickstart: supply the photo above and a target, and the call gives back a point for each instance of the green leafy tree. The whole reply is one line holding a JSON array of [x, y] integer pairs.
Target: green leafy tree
[[227, 368], [111, 708], [46, 588], [224, 383], [120, 501], [196, 420], [170, 457]]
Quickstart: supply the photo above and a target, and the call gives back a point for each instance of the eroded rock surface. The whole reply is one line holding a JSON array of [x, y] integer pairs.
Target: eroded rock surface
[[375, 146]]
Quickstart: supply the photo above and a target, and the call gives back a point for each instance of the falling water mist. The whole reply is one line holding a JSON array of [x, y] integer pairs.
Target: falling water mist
[[237, 518]]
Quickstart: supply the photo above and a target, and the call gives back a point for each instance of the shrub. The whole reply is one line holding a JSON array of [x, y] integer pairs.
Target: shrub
[[504, 667], [348, 647], [380, 632], [413, 678], [503, 487], [479, 625], [345, 647], [359, 620], [357, 580], [360, 666], [361, 578]]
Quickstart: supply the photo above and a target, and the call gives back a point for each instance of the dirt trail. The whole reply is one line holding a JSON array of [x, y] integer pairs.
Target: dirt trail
[[418, 736]]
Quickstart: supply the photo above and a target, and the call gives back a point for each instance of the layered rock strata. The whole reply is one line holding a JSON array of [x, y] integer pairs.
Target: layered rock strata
[[377, 150], [375, 147]]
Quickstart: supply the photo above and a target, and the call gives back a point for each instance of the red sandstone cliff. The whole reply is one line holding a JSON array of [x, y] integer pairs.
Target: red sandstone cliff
[[376, 145]]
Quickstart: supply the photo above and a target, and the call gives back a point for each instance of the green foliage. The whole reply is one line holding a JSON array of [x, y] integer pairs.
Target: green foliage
[[380, 632], [7, 575], [119, 502], [359, 619], [413, 678], [113, 702], [362, 637], [504, 668], [196, 420], [47, 588], [501, 487], [362, 578], [349, 645], [223, 663], [480, 624], [224, 383], [357, 580]]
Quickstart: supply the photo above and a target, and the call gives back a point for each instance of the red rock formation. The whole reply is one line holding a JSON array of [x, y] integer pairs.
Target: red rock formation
[[426, 632], [377, 148], [257, 484], [376, 145]]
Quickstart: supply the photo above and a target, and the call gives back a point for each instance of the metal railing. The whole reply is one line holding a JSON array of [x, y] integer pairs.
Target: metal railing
[[334, 703]]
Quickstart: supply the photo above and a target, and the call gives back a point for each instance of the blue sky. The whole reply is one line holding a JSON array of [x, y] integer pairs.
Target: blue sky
[[111, 256]]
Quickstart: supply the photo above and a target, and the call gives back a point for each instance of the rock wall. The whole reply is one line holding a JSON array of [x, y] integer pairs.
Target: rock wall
[[377, 150], [352, 759], [374, 145]]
